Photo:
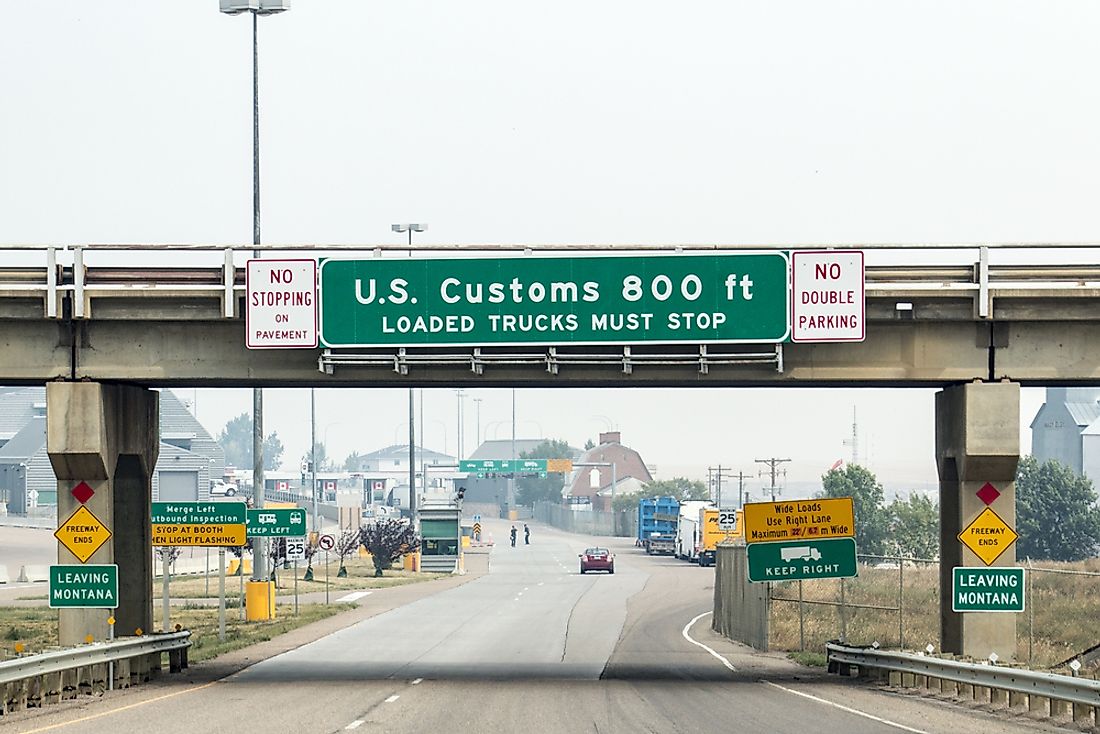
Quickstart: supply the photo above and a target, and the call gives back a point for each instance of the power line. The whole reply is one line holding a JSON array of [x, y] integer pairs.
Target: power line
[[773, 466]]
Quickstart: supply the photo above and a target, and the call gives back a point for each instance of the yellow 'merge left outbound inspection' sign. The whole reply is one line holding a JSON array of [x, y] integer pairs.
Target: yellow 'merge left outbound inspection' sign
[[832, 517]]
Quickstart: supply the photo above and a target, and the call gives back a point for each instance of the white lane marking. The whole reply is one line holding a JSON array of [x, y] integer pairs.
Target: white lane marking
[[540, 583], [353, 596], [355, 724], [392, 698], [418, 681], [842, 707], [687, 637]]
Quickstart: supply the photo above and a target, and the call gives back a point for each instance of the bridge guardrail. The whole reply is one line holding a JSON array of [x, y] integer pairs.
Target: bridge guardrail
[[28, 677], [988, 682]]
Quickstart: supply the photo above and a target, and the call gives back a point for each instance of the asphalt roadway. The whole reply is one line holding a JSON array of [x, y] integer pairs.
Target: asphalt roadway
[[529, 646]]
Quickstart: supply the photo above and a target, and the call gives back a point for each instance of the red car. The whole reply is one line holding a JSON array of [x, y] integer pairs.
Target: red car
[[597, 559]]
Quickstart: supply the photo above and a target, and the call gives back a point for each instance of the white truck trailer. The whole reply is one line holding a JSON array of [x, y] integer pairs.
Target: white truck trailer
[[689, 537]]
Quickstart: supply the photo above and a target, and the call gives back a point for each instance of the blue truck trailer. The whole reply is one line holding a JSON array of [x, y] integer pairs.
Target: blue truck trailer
[[657, 518]]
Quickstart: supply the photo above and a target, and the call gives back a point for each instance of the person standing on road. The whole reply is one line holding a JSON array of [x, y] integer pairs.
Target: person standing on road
[[513, 536], [526, 534]]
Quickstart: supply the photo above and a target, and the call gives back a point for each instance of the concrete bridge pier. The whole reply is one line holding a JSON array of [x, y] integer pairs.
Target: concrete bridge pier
[[977, 442], [107, 436]]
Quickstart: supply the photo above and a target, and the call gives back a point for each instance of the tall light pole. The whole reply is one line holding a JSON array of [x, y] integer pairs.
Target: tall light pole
[[257, 8], [477, 411], [410, 228], [460, 394]]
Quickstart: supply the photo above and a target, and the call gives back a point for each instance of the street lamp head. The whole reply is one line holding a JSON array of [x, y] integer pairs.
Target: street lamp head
[[408, 227], [262, 7]]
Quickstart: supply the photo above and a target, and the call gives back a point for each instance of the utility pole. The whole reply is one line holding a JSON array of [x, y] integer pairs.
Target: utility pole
[[716, 472], [741, 488], [773, 465]]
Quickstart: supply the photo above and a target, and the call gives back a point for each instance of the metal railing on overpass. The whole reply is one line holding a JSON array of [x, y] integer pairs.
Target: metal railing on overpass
[[65, 270]]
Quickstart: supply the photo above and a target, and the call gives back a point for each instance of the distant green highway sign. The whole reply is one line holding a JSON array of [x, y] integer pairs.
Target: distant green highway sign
[[501, 466], [802, 559], [723, 298]]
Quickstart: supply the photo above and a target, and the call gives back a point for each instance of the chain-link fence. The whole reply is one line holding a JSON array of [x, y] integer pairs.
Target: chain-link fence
[[895, 602], [1062, 606]]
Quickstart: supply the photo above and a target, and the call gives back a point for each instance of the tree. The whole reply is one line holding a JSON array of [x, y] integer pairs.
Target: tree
[[915, 526], [681, 488], [236, 441], [872, 517], [387, 540], [346, 544], [1056, 513], [589, 444], [530, 490], [353, 462], [323, 462]]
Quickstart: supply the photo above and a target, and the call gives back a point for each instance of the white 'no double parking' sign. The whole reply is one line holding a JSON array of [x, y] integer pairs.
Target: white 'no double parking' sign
[[827, 296]]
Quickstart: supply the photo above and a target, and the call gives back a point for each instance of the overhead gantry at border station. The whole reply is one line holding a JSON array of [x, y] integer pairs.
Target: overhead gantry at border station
[[100, 335]]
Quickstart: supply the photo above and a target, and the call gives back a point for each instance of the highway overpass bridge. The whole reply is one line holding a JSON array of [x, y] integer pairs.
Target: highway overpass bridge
[[78, 314], [101, 324]]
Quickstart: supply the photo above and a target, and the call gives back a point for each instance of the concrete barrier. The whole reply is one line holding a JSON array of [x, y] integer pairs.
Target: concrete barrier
[[740, 607], [4, 578], [34, 573]]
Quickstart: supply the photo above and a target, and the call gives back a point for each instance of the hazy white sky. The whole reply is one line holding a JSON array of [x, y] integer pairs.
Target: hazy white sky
[[608, 122]]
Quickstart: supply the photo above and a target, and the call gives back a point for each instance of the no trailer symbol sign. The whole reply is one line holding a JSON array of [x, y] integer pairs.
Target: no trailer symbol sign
[[282, 304]]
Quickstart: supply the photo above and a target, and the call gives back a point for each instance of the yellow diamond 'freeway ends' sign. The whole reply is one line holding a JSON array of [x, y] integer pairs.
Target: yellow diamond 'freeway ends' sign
[[831, 517], [83, 534], [988, 536]]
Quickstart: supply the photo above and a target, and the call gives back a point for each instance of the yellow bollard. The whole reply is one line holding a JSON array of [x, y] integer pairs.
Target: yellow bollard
[[259, 601], [513, 514]]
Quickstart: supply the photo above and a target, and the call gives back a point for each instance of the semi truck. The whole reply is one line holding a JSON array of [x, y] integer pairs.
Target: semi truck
[[657, 517], [688, 533], [712, 534]]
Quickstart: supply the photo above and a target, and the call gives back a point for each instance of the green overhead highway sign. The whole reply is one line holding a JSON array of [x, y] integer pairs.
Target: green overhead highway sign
[[481, 467], [277, 523], [987, 589], [803, 559], [86, 586], [725, 298]]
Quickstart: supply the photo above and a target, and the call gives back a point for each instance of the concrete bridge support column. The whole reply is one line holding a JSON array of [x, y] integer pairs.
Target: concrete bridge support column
[[107, 436], [977, 442]]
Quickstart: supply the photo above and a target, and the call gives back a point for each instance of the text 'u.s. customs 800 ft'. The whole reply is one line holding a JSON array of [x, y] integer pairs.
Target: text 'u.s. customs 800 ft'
[[736, 297]]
